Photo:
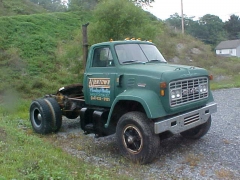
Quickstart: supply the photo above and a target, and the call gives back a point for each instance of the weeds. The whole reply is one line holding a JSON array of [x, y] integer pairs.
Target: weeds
[[192, 160], [224, 174]]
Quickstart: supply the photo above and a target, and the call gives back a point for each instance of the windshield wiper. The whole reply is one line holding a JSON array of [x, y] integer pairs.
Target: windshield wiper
[[155, 60], [131, 61]]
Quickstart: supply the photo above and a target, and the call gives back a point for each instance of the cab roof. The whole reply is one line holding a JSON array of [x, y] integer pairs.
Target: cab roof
[[112, 43]]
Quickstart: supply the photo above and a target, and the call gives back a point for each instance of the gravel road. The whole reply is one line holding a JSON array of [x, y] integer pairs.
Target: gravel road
[[215, 156]]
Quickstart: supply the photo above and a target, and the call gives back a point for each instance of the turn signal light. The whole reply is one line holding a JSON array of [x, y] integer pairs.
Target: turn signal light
[[163, 85], [210, 77], [162, 92]]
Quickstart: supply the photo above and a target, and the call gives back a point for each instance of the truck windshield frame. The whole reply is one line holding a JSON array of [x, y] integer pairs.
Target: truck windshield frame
[[138, 53]]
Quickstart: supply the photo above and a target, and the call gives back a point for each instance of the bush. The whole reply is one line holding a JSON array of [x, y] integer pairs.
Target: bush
[[118, 19]]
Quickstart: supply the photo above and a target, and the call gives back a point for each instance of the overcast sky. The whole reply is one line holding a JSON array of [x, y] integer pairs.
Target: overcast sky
[[198, 8]]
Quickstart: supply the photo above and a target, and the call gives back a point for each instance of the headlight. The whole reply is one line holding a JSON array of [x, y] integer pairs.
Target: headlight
[[176, 94], [203, 88]]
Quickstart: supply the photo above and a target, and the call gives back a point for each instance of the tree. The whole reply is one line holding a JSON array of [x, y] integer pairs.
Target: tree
[[51, 5], [208, 28], [211, 29], [142, 3], [118, 19], [79, 5], [175, 21], [232, 26]]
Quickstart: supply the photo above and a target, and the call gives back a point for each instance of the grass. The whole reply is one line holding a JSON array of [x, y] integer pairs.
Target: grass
[[228, 82], [26, 155], [19, 7], [33, 53]]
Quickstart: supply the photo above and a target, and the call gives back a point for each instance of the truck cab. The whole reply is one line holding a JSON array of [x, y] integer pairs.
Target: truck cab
[[130, 90]]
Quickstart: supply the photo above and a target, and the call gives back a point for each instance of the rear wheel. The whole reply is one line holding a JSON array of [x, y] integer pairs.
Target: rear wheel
[[136, 138], [56, 113], [199, 131], [40, 116], [45, 116]]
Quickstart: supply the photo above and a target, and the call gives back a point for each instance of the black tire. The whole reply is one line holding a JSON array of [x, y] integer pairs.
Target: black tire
[[56, 113], [136, 138], [40, 116], [199, 131]]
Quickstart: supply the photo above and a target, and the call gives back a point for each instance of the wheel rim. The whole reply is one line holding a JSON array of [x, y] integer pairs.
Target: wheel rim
[[133, 140], [37, 118]]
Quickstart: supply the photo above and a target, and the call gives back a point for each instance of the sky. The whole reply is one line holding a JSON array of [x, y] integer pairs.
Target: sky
[[198, 8]]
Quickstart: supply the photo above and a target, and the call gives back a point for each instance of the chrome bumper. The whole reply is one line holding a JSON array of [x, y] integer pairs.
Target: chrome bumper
[[185, 121]]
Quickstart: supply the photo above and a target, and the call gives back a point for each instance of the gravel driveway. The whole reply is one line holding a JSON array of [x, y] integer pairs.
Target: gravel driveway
[[215, 156]]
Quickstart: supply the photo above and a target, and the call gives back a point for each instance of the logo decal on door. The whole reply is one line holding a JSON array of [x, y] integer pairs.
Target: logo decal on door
[[99, 89]]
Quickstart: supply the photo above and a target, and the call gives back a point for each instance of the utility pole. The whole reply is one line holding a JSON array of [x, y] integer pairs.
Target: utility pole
[[182, 16]]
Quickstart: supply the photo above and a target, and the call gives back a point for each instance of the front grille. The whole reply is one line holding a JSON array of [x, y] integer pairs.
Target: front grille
[[189, 90]]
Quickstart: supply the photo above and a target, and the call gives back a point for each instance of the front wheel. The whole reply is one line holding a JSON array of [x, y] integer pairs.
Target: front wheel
[[199, 131], [136, 138]]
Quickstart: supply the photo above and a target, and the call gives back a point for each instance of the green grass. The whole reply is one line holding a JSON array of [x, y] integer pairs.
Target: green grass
[[229, 82], [40, 53], [26, 155], [19, 7]]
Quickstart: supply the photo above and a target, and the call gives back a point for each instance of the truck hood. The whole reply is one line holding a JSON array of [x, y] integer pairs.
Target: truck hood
[[164, 71]]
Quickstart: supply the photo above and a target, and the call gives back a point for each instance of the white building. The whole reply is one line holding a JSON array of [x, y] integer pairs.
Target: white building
[[228, 48]]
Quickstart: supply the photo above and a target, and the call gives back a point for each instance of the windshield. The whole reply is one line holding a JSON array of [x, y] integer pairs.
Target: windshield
[[138, 53]]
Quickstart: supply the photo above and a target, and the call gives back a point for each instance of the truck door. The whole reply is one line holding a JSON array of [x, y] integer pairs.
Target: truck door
[[100, 78]]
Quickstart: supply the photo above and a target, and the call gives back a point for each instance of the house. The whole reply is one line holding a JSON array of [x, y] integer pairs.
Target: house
[[228, 48]]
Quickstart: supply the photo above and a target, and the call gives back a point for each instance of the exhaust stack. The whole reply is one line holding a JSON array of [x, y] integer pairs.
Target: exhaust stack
[[85, 44]]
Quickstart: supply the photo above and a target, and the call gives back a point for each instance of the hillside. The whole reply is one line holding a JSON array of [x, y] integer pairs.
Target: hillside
[[19, 7], [33, 50]]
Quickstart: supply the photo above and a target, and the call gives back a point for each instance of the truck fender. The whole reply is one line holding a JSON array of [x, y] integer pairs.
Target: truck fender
[[148, 99], [210, 97]]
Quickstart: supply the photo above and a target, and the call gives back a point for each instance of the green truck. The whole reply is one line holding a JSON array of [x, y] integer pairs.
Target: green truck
[[131, 91]]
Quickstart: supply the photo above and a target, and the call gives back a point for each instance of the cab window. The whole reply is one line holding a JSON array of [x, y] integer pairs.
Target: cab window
[[102, 57]]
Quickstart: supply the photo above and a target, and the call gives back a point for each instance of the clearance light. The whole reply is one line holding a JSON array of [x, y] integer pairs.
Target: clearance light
[[150, 40], [210, 77], [163, 85], [127, 39], [133, 39], [162, 92], [139, 39], [111, 40]]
